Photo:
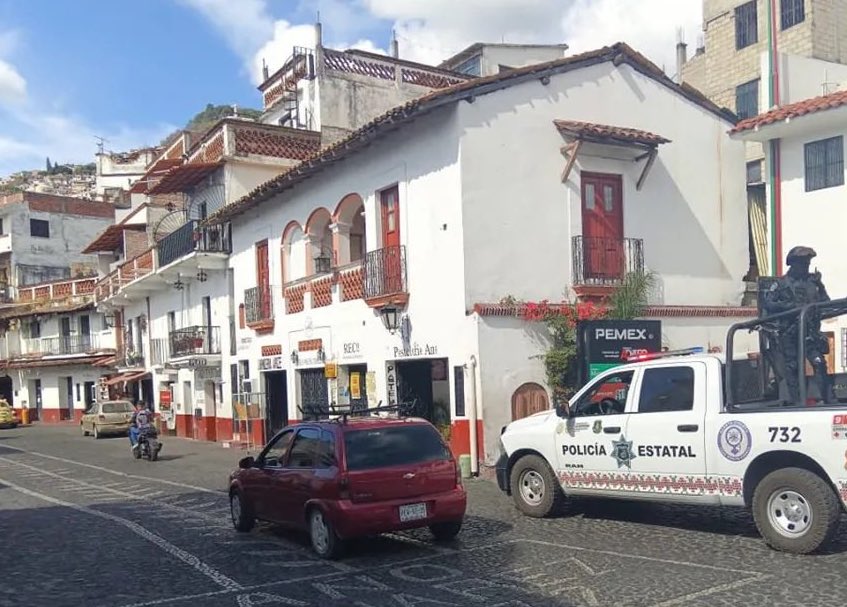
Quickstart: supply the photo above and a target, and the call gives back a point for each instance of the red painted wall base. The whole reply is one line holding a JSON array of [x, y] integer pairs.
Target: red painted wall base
[[460, 438]]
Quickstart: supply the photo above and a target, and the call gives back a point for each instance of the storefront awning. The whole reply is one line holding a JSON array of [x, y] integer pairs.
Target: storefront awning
[[126, 377]]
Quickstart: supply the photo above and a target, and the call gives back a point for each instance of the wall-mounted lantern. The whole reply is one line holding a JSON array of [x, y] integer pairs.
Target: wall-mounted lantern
[[321, 355], [179, 285], [109, 319], [390, 318], [294, 357], [202, 276]]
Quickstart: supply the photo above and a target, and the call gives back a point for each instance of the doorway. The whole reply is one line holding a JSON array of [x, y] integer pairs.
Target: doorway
[[89, 394], [392, 278], [85, 333], [314, 395], [357, 387], [7, 390], [211, 400], [188, 407], [602, 227], [425, 382], [35, 397], [276, 401], [65, 339], [67, 401], [530, 398]]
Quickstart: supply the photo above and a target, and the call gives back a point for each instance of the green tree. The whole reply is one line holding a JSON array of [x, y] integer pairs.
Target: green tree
[[49, 166]]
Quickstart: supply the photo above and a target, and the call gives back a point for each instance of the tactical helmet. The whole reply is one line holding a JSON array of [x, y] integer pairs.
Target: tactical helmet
[[798, 253]]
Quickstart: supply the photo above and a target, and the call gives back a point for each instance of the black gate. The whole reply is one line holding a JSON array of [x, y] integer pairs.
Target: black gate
[[314, 396]]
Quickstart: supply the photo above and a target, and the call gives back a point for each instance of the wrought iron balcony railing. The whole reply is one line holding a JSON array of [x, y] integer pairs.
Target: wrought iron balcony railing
[[62, 345], [190, 238], [258, 304], [385, 272], [605, 261], [194, 341]]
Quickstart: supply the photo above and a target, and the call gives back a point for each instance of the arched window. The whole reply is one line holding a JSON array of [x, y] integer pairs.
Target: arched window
[[320, 251], [350, 222], [293, 253]]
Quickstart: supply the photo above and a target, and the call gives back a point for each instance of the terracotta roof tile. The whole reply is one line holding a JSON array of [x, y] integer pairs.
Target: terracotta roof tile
[[593, 131], [793, 110], [259, 141], [618, 54]]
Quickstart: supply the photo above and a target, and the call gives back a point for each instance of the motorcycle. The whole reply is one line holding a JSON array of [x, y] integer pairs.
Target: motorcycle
[[148, 445]]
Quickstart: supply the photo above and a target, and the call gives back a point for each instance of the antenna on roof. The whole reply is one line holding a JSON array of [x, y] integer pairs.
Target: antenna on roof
[[100, 142], [265, 74]]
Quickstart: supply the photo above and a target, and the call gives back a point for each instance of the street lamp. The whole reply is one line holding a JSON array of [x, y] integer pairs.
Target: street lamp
[[109, 320], [390, 318]]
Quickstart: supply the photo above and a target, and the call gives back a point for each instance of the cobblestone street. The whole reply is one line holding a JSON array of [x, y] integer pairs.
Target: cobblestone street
[[82, 523]]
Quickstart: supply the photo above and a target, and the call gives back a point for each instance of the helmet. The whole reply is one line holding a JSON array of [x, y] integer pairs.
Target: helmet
[[798, 253]]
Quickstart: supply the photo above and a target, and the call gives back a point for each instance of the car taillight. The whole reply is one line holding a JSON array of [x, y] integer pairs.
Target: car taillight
[[344, 488]]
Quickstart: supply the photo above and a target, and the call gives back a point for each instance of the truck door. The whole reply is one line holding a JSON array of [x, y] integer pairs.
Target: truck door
[[667, 432], [584, 448]]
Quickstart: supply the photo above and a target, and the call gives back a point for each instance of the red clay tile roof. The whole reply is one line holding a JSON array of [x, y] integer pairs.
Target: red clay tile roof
[[618, 54], [185, 176], [604, 132], [279, 142], [517, 310], [154, 174], [112, 238], [793, 110]]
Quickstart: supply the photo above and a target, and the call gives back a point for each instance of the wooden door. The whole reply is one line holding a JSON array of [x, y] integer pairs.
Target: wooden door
[[602, 227], [263, 277], [391, 255], [529, 399]]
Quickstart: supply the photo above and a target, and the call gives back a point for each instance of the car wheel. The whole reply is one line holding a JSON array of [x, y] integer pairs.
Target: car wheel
[[795, 510], [97, 434], [444, 532], [242, 517], [535, 489], [325, 542]]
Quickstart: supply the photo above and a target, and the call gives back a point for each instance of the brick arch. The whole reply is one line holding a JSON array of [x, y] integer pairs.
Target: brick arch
[[350, 243], [528, 399], [347, 207], [321, 238]]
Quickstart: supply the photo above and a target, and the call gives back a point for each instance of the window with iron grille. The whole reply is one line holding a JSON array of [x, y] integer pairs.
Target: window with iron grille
[[746, 27], [754, 172], [747, 99], [824, 163], [791, 12]]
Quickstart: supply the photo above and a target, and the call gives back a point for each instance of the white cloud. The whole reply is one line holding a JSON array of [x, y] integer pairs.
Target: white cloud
[[12, 84], [434, 30], [279, 48], [245, 24]]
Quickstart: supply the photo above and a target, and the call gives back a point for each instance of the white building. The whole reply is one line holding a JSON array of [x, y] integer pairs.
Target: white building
[[486, 59], [804, 144], [42, 236], [530, 183], [55, 350], [118, 172], [167, 280]]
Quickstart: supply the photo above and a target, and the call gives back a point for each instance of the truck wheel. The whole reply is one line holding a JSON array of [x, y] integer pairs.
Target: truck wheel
[[795, 510], [535, 488]]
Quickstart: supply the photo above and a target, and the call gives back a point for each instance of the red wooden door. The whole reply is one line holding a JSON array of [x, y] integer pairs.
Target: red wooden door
[[263, 277], [391, 254], [602, 227]]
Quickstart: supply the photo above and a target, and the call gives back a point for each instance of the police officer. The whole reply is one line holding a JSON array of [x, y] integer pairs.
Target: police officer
[[797, 288]]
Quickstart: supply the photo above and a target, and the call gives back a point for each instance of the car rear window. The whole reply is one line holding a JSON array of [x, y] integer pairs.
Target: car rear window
[[393, 446], [117, 408]]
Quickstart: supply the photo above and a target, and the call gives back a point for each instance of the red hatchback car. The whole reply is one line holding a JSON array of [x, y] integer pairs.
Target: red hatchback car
[[351, 477]]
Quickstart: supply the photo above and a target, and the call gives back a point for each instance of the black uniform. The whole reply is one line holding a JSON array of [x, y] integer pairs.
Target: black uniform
[[798, 288]]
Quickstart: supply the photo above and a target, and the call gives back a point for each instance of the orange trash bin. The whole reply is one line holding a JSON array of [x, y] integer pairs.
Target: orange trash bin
[[25, 417]]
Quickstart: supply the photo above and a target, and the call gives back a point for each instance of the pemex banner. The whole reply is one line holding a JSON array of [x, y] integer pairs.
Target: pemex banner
[[604, 344]]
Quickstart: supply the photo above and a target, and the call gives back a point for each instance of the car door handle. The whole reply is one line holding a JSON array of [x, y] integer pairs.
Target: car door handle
[[688, 428], [612, 429]]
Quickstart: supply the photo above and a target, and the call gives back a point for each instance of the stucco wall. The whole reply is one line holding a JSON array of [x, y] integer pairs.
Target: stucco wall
[[691, 212]]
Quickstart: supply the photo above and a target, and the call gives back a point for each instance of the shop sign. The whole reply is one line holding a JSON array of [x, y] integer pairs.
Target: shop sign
[[244, 344], [165, 399], [330, 370], [207, 373], [351, 349], [391, 382], [605, 344], [415, 351], [197, 362], [355, 386]]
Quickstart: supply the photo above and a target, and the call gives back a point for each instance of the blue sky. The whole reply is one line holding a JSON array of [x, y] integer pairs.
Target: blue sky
[[133, 71]]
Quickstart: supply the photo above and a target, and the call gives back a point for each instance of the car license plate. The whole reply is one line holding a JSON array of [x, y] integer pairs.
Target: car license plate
[[412, 512]]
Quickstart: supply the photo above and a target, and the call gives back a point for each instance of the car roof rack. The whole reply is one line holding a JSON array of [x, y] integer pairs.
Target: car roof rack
[[403, 409]]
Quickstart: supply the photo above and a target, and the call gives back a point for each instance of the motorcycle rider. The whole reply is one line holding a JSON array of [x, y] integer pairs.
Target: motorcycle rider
[[141, 421]]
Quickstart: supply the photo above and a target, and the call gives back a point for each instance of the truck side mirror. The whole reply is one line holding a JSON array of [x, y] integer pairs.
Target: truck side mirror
[[563, 409]]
